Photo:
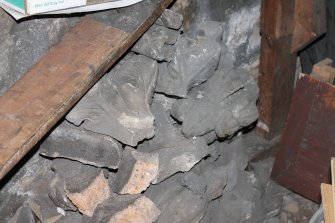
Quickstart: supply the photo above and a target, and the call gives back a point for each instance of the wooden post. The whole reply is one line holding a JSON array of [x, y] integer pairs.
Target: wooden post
[[286, 27]]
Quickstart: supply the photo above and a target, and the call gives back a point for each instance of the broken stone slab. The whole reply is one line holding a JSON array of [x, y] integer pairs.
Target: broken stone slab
[[175, 210], [44, 209], [207, 180], [157, 43], [90, 197], [167, 135], [137, 170], [118, 105], [172, 198], [170, 19], [209, 30], [71, 217], [181, 158], [70, 142], [162, 193], [194, 63], [125, 208], [225, 103], [58, 195], [24, 214], [80, 185], [239, 204], [194, 182]]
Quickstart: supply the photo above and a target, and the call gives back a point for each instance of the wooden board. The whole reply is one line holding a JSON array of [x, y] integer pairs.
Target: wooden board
[[327, 202], [333, 187], [284, 29], [308, 140], [52, 86]]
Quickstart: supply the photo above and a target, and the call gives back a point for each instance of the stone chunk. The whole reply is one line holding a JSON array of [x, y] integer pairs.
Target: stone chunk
[[71, 217], [209, 30], [167, 135], [80, 185], [225, 103], [24, 214], [136, 172], [239, 204], [157, 43], [181, 158], [68, 141], [178, 204], [118, 105], [120, 209], [88, 199], [194, 63], [44, 209], [170, 19]]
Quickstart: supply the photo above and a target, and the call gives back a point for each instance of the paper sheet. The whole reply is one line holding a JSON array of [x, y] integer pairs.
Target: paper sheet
[[89, 8]]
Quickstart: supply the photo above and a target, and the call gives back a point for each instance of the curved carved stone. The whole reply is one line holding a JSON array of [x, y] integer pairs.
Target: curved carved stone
[[118, 105]]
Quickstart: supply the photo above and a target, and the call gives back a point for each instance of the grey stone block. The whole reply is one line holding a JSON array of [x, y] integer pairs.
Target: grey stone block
[[118, 105], [181, 158], [170, 19], [194, 63], [125, 208], [24, 214], [70, 142], [157, 43], [225, 103], [78, 186], [137, 170]]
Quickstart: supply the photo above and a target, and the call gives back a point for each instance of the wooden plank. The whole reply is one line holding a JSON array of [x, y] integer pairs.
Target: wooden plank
[[308, 140], [333, 187], [324, 71], [52, 86], [309, 22], [327, 203], [277, 60]]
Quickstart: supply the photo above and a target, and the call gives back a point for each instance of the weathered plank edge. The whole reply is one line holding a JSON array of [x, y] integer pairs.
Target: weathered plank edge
[[65, 107]]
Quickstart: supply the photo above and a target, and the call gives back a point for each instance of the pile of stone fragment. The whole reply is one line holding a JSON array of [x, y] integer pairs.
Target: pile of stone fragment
[[145, 143]]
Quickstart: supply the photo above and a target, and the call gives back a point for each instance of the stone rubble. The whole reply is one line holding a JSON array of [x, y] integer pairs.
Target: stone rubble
[[158, 139]]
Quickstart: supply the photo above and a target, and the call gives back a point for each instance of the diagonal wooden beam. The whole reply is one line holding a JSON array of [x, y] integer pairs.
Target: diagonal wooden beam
[[52, 86]]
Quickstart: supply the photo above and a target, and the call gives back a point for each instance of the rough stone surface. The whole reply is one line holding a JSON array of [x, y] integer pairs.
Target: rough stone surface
[[118, 105], [183, 207], [241, 38], [136, 172], [167, 135], [23, 214], [80, 185], [225, 103], [170, 19], [194, 63], [119, 209], [157, 43], [68, 141], [88, 199], [209, 30], [44, 209], [181, 158]]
